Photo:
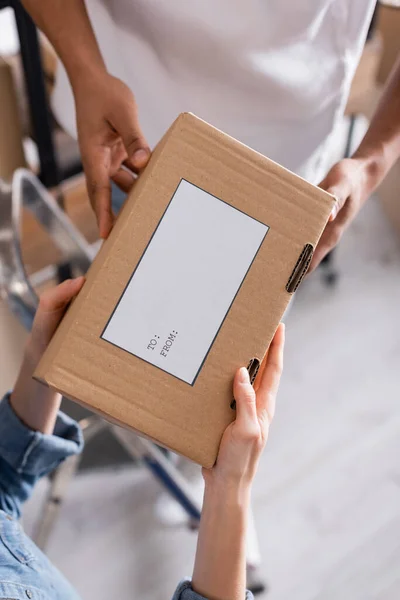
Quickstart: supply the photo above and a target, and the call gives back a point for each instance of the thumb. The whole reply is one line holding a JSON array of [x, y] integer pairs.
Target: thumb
[[245, 397], [340, 196], [340, 193], [336, 184], [126, 123], [57, 298], [52, 306]]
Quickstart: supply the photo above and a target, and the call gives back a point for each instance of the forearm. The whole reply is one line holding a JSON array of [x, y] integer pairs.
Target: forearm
[[68, 28], [35, 405], [220, 565], [380, 147]]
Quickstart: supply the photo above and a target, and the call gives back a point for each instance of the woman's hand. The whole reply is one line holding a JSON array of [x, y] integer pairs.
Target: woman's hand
[[52, 306], [36, 405], [245, 439], [109, 137], [220, 565]]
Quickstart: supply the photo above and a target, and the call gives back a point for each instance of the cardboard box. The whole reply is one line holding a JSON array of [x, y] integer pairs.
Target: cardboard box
[[11, 148], [190, 285]]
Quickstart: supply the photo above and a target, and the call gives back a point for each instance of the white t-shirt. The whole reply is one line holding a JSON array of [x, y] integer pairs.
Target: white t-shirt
[[273, 73]]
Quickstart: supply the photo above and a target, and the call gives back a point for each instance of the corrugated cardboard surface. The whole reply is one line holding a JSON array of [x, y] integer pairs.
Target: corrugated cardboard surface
[[125, 389], [11, 149]]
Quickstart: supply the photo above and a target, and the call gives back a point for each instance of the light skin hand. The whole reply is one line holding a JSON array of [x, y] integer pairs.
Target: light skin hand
[[220, 565], [36, 405], [245, 438]]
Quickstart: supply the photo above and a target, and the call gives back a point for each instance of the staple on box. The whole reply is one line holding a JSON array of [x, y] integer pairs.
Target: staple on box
[[300, 268]]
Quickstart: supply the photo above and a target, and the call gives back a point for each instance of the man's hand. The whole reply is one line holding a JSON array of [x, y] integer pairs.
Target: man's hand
[[107, 122], [351, 181], [109, 138]]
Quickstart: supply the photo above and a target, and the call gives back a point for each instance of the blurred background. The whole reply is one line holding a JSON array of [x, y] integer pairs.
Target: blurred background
[[327, 497]]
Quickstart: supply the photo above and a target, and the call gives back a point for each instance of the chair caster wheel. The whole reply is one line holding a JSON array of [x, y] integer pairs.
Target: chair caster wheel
[[331, 278], [255, 582], [258, 588]]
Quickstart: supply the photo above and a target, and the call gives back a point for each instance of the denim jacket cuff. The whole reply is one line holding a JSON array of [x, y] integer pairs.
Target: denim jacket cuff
[[184, 591], [32, 452]]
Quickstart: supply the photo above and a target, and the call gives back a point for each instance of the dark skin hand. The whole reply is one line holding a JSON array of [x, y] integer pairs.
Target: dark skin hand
[[111, 139], [353, 180], [109, 133]]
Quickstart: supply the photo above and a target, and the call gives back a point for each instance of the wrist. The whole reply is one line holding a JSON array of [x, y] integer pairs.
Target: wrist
[[227, 491], [32, 354], [84, 76]]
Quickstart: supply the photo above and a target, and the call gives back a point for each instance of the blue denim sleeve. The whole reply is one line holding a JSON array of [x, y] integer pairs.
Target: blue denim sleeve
[[27, 455], [184, 592]]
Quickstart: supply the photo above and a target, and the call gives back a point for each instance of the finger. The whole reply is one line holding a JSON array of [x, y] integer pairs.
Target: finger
[[337, 186], [340, 199], [323, 248], [335, 209], [124, 180], [126, 123], [245, 397], [318, 256], [132, 167], [58, 298], [52, 306], [329, 239], [99, 189], [269, 383]]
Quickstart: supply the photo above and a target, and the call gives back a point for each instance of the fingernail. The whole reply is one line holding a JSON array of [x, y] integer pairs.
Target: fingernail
[[140, 157], [243, 375], [334, 211], [103, 230]]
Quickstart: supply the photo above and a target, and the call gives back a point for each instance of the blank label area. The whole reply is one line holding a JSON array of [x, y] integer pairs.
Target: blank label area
[[182, 289]]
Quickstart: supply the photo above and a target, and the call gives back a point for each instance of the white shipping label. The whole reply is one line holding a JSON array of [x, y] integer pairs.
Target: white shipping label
[[185, 283]]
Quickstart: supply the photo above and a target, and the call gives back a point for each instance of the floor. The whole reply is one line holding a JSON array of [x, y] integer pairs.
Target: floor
[[327, 497]]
